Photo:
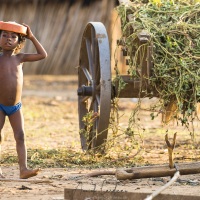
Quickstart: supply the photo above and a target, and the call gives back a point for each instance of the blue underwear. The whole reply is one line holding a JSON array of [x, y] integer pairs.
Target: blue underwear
[[9, 110]]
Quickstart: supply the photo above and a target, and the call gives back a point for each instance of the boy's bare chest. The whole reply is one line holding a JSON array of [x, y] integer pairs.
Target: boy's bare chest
[[11, 64]]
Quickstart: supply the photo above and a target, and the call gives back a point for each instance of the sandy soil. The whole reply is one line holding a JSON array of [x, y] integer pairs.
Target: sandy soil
[[51, 121]]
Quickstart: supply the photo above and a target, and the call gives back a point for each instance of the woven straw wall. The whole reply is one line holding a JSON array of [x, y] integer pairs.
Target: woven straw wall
[[58, 25]]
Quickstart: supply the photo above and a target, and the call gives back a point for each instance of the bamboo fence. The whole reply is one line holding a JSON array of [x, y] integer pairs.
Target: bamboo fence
[[59, 26]]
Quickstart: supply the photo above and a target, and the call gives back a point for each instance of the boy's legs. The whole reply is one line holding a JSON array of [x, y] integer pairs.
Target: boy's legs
[[2, 122], [17, 123]]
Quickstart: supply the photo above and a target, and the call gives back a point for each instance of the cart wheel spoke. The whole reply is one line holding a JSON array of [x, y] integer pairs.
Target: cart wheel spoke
[[90, 56], [96, 106], [84, 99], [98, 99], [87, 75]]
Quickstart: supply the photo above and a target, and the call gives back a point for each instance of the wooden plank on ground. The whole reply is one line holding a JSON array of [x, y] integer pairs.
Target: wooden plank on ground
[[79, 194]]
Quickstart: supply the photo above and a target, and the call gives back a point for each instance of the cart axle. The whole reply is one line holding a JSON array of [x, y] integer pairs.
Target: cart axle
[[85, 91]]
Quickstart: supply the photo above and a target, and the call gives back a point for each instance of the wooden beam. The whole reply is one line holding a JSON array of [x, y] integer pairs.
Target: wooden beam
[[157, 171], [150, 171], [80, 194], [24, 180]]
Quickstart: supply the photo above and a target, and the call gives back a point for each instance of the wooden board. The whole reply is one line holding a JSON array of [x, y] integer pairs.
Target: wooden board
[[80, 194]]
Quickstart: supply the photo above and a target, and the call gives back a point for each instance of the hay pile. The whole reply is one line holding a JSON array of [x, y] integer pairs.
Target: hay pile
[[174, 27]]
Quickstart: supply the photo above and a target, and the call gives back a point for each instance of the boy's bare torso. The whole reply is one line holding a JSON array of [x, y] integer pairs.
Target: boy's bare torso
[[11, 79]]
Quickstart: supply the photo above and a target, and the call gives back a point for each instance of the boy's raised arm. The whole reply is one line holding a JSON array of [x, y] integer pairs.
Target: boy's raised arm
[[41, 52]]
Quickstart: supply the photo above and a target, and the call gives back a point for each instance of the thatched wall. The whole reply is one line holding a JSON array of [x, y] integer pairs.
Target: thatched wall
[[58, 25]]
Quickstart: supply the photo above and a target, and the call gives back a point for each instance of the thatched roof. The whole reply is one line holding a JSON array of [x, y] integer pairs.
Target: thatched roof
[[58, 25]]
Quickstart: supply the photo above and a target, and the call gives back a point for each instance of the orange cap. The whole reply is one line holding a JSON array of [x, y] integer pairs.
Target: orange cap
[[13, 27]]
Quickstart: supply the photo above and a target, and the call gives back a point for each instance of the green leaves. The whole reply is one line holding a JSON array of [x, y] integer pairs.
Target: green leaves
[[175, 36]]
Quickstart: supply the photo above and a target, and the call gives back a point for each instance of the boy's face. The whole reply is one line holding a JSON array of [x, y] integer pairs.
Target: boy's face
[[8, 40]]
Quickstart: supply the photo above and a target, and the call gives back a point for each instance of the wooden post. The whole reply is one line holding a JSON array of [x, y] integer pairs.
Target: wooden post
[[170, 148]]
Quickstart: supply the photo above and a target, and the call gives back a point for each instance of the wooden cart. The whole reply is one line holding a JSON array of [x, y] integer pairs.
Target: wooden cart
[[96, 91]]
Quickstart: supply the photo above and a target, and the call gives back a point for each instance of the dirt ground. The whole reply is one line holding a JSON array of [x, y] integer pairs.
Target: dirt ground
[[51, 122]]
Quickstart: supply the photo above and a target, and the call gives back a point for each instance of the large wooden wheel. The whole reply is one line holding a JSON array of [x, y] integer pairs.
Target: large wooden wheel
[[94, 86]]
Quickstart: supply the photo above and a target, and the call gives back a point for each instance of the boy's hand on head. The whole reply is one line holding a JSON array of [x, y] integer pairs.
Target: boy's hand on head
[[29, 32]]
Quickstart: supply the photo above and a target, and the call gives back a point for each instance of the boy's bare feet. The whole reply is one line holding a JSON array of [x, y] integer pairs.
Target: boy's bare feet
[[29, 173]]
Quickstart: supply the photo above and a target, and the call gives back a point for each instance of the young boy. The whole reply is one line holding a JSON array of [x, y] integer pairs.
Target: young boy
[[11, 82]]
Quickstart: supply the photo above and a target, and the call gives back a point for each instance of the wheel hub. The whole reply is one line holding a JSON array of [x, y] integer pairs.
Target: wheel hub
[[85, 91]]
